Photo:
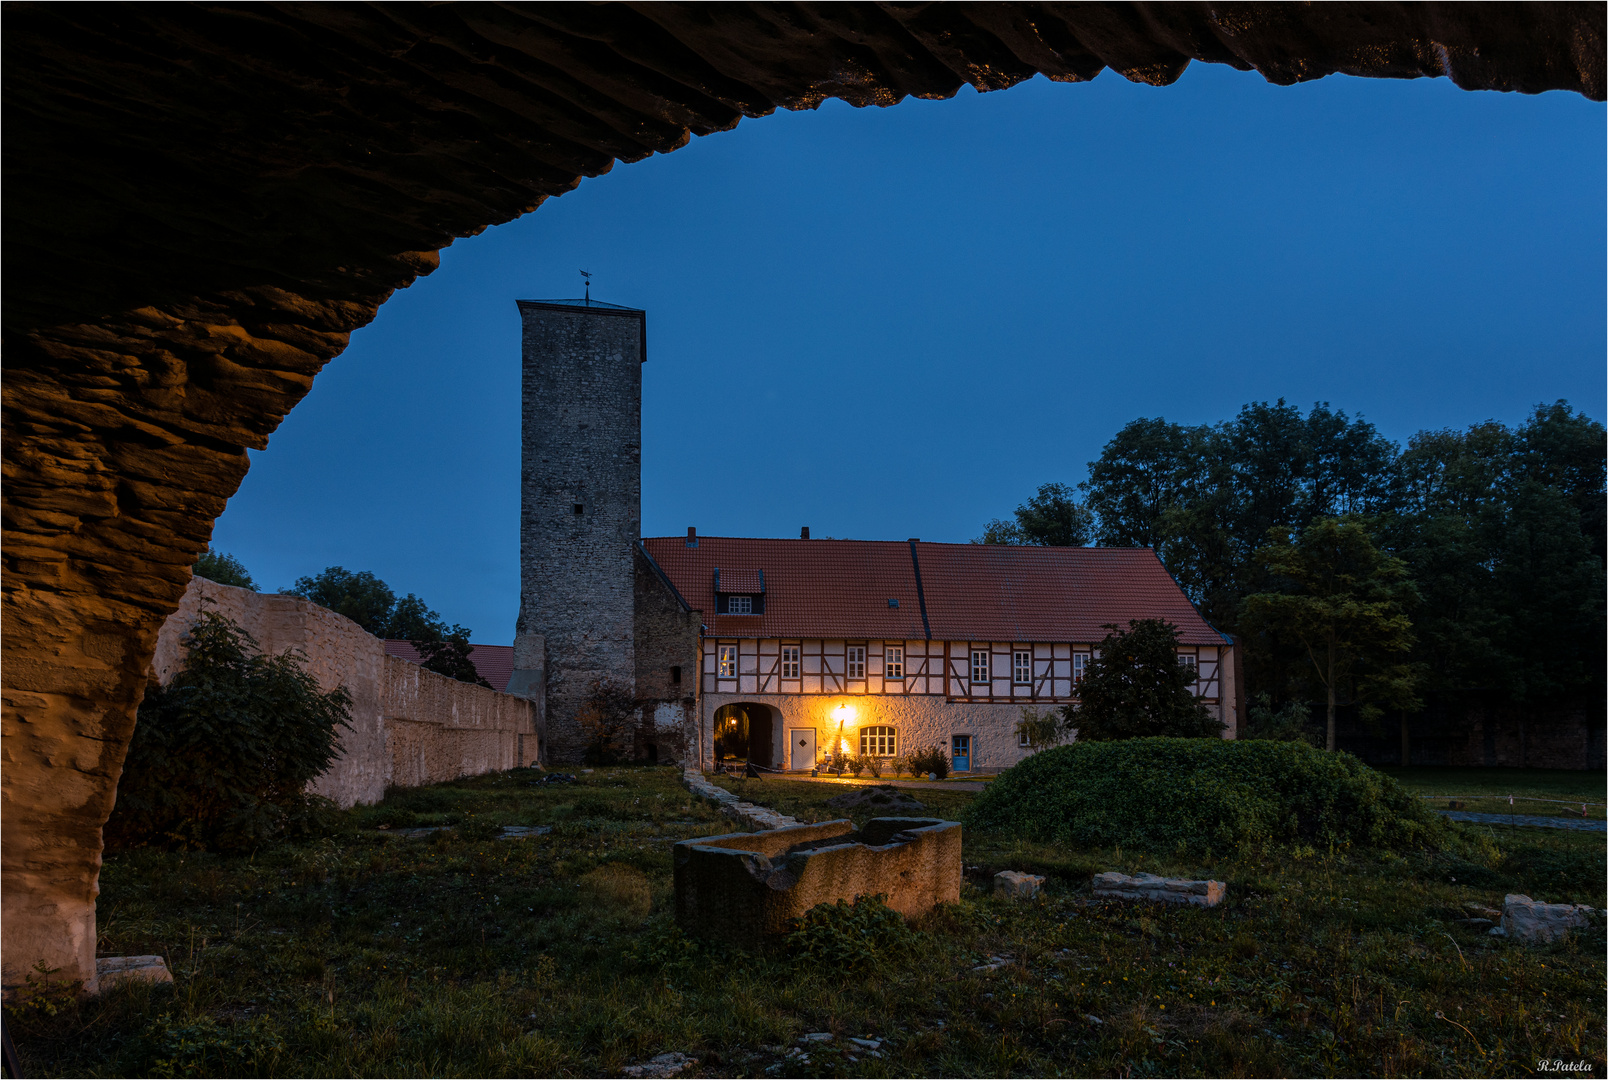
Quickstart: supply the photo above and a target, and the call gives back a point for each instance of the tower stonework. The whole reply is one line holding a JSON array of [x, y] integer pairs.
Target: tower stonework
[[580, 507]]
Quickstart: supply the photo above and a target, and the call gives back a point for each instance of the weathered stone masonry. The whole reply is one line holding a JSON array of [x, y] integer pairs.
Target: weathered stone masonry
[[581, 501], [409, 725]]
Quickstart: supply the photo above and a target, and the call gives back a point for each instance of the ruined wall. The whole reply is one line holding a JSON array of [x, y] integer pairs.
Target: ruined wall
[[580, 510], [409, 726], [666, 632]]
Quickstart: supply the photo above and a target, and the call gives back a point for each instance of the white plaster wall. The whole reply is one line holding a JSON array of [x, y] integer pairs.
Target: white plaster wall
[[919, 720], [409, 726]]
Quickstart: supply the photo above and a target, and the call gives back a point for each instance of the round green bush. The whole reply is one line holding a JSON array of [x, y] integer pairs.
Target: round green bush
[[1204, 796]]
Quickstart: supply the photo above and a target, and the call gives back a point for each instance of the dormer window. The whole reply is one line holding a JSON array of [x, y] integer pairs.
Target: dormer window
[[739, 592]]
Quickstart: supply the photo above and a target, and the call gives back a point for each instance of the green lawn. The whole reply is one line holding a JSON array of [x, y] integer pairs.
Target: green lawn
[[1554, 792], [366, 954]]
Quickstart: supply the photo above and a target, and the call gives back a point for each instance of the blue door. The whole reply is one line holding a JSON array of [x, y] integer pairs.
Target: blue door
[[960, 753]]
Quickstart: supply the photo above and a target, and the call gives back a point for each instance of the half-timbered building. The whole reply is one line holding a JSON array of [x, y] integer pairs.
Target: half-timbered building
[[884, 648]]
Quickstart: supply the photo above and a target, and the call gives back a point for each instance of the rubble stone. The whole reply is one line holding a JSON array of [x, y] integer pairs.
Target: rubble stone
[[111, 970], [1016, 885], [1154, 887], [664, 1065], [1535, 923]]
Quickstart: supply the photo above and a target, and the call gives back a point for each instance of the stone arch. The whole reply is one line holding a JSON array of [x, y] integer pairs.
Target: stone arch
[[746, 731], [201, 226]]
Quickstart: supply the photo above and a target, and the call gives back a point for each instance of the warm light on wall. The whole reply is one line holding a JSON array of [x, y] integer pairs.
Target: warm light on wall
[[843, 714]]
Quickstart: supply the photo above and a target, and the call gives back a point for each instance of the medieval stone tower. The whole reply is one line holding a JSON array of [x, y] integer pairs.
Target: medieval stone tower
[[580, 509]]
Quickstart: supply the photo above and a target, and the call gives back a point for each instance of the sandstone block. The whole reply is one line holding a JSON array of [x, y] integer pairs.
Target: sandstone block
[[111, 970], [747, 888], [1535, 923], [1154, 887], [1016, 885]]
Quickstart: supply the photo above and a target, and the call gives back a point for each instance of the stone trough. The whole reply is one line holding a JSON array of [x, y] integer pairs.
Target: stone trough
[[747, 887]]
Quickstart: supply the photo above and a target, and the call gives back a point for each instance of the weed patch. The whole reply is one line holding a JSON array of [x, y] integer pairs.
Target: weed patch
[[363, 953]]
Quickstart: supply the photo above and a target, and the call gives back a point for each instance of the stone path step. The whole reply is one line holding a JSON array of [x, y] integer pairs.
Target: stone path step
[[1531, 820], [747, 814]]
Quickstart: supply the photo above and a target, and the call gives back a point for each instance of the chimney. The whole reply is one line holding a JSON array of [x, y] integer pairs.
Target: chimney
[[692, 536], [804, 533]]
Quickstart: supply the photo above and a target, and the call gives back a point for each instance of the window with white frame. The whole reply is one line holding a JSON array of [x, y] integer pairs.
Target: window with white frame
[[856, 661], [1190, 661], [789, 661], [1080, 666], [1021, 739], [878, 742], [728, 661], [893, 662], [980, 662], [1021, 668], [739, 605]]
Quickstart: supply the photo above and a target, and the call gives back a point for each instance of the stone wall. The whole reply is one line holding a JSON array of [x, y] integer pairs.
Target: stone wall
[[410, 726], [919, 720], [666, 632]]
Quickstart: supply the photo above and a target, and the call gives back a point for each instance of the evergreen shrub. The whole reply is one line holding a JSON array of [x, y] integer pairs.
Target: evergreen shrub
[[221, 756], [1206, 796], [932, 760]]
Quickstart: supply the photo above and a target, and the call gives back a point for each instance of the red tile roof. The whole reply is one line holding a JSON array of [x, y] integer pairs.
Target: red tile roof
[[740, 581], [494, 662], [973, 592]]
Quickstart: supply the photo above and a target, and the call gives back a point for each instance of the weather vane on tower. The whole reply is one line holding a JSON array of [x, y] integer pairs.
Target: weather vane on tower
[[587, 274]]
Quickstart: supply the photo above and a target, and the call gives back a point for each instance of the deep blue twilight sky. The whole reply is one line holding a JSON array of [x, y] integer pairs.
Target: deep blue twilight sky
[[885, 323]]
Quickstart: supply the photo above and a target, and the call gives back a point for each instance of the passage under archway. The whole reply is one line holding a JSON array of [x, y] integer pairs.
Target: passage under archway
[[745, 732]]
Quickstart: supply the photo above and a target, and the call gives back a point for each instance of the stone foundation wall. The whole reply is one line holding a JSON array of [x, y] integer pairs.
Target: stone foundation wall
[[918, 720], [410, 726]]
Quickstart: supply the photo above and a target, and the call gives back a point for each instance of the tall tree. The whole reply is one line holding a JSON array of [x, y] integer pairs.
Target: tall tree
[[1137, 478], [360, 596], [223, 568], [371, 603], [1137, 687], [1346, 602], [1051, 518]]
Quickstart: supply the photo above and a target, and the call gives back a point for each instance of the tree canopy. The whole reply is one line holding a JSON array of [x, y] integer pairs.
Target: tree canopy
[[1051, 518], [371, 604], [223, 568], [1502, 529], [1345, 601], [1136, 687]]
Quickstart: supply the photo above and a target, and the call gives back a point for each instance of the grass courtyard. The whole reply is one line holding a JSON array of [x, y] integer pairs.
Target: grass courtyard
[[457, 953]]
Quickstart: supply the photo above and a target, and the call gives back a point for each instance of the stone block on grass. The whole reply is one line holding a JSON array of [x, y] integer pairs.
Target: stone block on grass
[[1017, 886], [111, 970], [747, 888], [1154, 887], [1535, 923]]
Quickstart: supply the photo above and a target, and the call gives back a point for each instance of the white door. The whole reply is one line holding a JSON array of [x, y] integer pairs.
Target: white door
[[802, 741]]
